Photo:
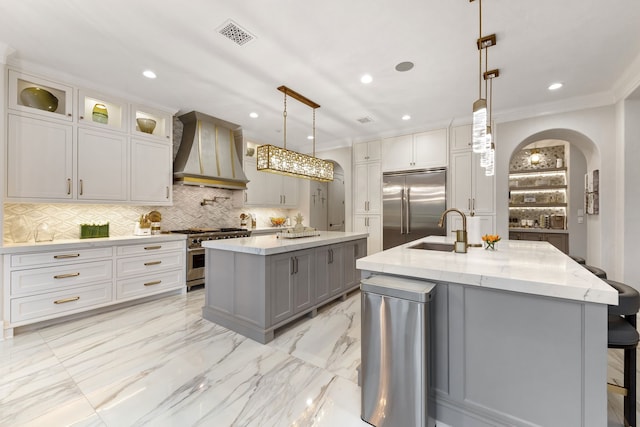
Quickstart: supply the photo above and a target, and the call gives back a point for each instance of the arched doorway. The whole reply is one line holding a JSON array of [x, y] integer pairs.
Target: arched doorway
[[582, 157]]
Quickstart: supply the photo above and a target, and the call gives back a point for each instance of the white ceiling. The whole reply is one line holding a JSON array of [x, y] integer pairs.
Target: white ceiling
[[321, 49]]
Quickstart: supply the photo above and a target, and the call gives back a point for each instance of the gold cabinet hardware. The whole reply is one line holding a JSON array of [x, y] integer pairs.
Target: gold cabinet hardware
[[66, 256], [62, 301], [68, 185], [81, 187], [157, 282], [152, 263], [150, 248], [66, 276]]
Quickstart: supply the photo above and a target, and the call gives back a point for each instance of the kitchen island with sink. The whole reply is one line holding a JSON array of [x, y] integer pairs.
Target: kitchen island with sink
[[257, 284], [518, 335]]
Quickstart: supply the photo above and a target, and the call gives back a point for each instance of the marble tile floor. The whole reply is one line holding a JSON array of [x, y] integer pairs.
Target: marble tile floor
[[160, 364]]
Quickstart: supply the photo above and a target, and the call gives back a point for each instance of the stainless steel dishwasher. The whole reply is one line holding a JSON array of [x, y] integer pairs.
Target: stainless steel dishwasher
[[394, 351]]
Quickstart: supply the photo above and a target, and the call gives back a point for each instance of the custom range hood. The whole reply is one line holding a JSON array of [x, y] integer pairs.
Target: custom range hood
[[208, 153]]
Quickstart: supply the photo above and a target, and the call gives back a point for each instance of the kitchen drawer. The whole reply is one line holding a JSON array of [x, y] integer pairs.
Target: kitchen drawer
[[54, 304], [149, 263], [149, 284], [59, 257], [150, 248], [47, 279]]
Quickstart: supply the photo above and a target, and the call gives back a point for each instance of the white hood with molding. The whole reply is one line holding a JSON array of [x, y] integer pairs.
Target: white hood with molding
[[208, 153]]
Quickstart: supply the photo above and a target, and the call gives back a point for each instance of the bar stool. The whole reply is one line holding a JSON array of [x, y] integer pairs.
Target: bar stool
[[578, 259], [597, 271], [622, 333]]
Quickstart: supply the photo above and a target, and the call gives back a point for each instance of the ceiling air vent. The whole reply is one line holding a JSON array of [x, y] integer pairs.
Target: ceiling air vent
[[364, 120], [235, 33]]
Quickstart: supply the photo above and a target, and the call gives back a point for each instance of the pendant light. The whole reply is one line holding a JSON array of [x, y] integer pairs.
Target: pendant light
[[286, 162], [479, 127]]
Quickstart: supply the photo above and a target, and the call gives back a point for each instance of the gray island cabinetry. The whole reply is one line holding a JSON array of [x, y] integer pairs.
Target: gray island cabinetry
[[518, 335], [254, 285]]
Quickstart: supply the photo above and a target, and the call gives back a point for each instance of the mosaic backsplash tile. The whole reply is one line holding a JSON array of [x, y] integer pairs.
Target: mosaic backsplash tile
[[548, 158], [186, 212]]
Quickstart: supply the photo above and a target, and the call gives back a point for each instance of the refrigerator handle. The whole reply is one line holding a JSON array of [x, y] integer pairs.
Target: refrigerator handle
[[402, 211], [408, 211]]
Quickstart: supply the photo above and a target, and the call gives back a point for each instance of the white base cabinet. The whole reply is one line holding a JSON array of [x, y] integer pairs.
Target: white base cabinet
[[371, 224], [43, 284]]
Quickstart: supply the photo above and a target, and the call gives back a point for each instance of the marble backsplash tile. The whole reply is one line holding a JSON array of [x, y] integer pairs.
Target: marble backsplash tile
[[186, 212]]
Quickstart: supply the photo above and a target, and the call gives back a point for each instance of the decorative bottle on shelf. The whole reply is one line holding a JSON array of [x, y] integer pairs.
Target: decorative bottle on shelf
[[100, 114]]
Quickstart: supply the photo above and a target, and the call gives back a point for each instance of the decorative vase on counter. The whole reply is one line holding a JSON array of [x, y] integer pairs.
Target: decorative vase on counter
[[100, 114], [20, 229]]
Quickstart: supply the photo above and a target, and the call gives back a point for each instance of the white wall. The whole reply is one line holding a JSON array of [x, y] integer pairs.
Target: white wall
[[630, 203], [593, 131]]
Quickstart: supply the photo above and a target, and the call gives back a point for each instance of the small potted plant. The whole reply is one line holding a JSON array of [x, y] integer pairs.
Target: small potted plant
[[490, 241]]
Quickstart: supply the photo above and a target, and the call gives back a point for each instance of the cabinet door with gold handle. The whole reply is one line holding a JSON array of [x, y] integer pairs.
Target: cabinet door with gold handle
[[66, 276], [65, 300]]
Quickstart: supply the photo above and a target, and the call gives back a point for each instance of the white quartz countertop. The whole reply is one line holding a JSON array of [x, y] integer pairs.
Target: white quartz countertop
[[57, 245], [536, 268], [272, 244]]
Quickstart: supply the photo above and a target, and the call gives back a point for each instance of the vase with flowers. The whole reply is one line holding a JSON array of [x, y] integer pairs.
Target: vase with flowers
[[490, 241]]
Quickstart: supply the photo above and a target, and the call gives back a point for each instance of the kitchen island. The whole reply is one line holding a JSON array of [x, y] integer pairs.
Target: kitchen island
[[254, 285], [518, 335]]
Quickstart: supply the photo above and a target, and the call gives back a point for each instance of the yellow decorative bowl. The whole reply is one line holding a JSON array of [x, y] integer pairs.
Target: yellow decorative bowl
[[39, 98], [278, 221], [146, 125]]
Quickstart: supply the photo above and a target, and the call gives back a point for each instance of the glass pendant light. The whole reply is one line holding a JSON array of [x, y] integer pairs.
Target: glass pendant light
[[491, 168], [479, 127]]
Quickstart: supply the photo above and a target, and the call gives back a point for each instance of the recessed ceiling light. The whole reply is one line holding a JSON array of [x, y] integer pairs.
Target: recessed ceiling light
[[366, 79], [404, 66], [253, 115], [406, 117], [149, 74], [310, 137], [555, 86]]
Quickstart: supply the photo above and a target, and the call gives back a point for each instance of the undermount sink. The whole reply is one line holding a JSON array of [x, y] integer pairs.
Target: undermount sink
[[433, 246]]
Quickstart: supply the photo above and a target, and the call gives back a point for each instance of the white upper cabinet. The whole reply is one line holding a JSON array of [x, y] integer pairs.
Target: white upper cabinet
[[151, 172], [366, 151], [102, 166], [267, 189], [102, 111], [461, 138], [96, 157], [417, 151], [367, 180], [39, 159], [39, 96], [150, 123], [471, 189]]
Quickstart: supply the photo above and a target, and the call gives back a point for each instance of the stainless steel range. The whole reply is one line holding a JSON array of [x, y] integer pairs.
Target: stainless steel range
[[195, 251]]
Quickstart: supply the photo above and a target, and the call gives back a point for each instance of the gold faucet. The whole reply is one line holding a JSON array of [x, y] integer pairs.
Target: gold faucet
[[461, 235]]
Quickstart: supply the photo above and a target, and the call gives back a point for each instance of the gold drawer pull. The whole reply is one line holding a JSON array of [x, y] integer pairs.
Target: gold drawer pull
[[157, 282], [152, 263], [62, 301], [66, 276], [66, 256], [149, 248]]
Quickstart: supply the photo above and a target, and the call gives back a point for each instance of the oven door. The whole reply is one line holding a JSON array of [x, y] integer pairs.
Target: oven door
[[195, 265]]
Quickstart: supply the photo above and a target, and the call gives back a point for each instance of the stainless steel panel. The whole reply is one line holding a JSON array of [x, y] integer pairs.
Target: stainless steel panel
[[392, 210], [412, 205], [394, 361], [428, 201]]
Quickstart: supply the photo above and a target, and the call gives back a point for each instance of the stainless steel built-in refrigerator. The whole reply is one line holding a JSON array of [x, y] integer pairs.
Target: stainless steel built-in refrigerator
[[412, 205]]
